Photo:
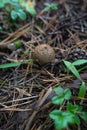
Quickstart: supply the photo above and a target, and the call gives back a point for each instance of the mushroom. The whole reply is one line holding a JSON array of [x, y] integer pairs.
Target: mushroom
[[44, 53]]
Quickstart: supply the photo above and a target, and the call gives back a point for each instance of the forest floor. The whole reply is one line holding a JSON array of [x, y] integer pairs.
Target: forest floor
[[26, 90]]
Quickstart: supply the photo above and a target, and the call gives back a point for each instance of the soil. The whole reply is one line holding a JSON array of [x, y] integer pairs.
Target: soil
[[26, 90]]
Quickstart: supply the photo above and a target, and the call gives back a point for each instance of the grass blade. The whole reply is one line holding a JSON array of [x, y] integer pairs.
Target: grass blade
[[79, 62], [13, 64], [9, 65], [72, 68], [82, 90]]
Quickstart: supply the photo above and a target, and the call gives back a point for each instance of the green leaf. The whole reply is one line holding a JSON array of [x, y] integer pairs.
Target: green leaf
[[58, 100], [73, 108], [47, 4], [23, 4], [79, 62], [67, 94], [9, 65], [58, 90], [21, 14], [21, 1], [83, 115], [1, 4], [17, 44], [13, 64], [53, 115], [61, 119], [13, 2], [6, 1], [71, 67], [50, 6], [32, 11], [82, 90], [77, 119], [61, 95], [14, 14], [67, 63], [54, 6], [47, 9]]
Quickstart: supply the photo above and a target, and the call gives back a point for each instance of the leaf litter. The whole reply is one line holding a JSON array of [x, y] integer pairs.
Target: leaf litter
[[26, 90]]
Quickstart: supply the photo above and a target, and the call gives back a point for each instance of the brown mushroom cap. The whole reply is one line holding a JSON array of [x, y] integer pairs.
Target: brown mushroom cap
[[44, 53]]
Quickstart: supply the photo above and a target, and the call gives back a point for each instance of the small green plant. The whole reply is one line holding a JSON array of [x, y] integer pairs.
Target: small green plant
[[72, 113], [61, 95], [18, 8], [50, 6], [72, 68]]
